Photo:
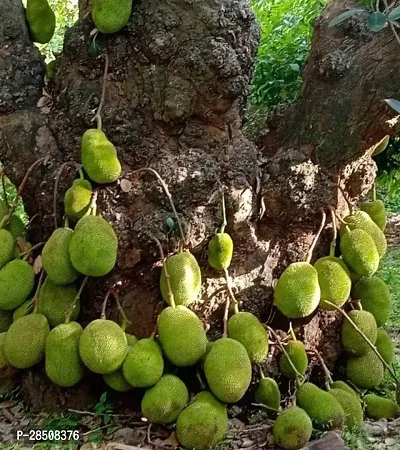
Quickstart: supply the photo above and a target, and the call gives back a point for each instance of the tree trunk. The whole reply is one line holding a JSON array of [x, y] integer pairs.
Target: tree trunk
[[176, 90]]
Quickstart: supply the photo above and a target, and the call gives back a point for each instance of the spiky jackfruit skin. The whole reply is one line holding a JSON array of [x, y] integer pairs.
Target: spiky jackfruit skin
[[117, 381], [165, 401], [228, 370], [334, 281], [110, 17], [268, 393], [144, 364], [381, 146], [292, 429], [24, 343], [352, 341], [354, 417], [55, 257], [362, 221], [380, 408], [62, 361], [41, 20], [6, 247], [376, 210], [297, 292], [344, 386], [359, 252], [16, 283], [323, 409], [55, 300], [184, 276], [220, 251], [203, 423], [16, 227], [103, 346], [365, 371], [6, 319], [297, 354], [181, 335], [385, 346], [77, 199], [99, 157], [93, 247], [375, 297], [23, 310]]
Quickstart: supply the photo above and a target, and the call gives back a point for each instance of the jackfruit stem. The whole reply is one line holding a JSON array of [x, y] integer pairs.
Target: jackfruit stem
[[225, 319], [26, 253], [315, 241], [224, 222], [92, 211], [327, 373], [334, 229], [261, 373], [341, 220], [66, 222], [55, 193], [374, 192], [103, 94], [70, 310], [261, 405], [35, 300], [125, 321], [232, 295], [81, 174], [3, 184], [291, 331]]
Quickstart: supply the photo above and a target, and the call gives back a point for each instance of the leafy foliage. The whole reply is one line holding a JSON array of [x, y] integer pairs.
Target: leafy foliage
[[390, 274]]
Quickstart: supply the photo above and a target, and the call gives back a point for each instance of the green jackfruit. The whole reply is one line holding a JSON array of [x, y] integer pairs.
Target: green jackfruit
[[228, 370], [3, 361], [220, 251], [352, 340], [297, 292], [352, 408], [324, 410], [381, 145], [334, 280], [103, 346], [41, 20], [268, 393], [165, 401], [297, 354], [55, 257], [93, 247], [3, 209], [203, 423], [144, 365], [359, 252], [23, 310], [62, 361], [292, 429], [245, 328], [376, 210], [380, 408], [16, 227], [117, 381], [110, 17], [184, 276], [7, 385], [55, 300], [99, 157], [385, 346], [362, 221], [181, 335], [16, 283], [6, 319], [25, 340], [77, 199], [375, 297], [344, 386], [365, 371], [6, 247]]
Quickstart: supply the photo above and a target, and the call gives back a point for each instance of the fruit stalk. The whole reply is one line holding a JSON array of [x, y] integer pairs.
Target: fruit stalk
[[125, 321], [229, 287], [55, 194], [29, 251], [103, 94], [68, 313], [328, 376], [291, 331], [334, 237], [36, 296], [3, 183], [224, 221], [315, 241]]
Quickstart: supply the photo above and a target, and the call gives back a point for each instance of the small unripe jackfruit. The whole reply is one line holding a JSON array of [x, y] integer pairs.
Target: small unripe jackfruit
[[376, 210], [298, 356], [365, 371], [268, 393], [77, 199], [220, 251], [110, 17], [344, 386], [352, 340], [292, 429], [385, 346], [16, 227], [16, 283], [117, 381], [6, 247], [352, 408], [41, 20], [380, 408]]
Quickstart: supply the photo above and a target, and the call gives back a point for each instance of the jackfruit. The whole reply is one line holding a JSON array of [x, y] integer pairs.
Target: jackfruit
[[55, 300], [297, 292], [323, 409], [110, 17], [228, 370], [3, 209], [354, 417], [220, 251], [103, 346], [362, 221], [117, 381], [99, 157], [352, 340], [164, 402], [23, 310], [203, 423], [144, 364], [7, 385], [41, 20], [16, 283], [62, 361], [298, 356], [55, 257], [359, 252], [77, 199], [381, 145], [268, 393], [376, 210], [365, 371], [6, 319], [380, 408], [3, 361], [93, 247], [6, 247], [385, 346], [25, 340], [16, 227], [334, 281], [292, 429], [344, 386], [184, 276], [245, 328], [181, 335], [375, 297]]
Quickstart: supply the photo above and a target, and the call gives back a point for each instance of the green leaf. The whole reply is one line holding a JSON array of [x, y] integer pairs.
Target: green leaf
[[344, 16], [295, 67], [394, 14], [376, 21], [394, 104]]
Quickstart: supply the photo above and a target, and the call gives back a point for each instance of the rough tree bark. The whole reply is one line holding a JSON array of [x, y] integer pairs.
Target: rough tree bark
[[176, 92]]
